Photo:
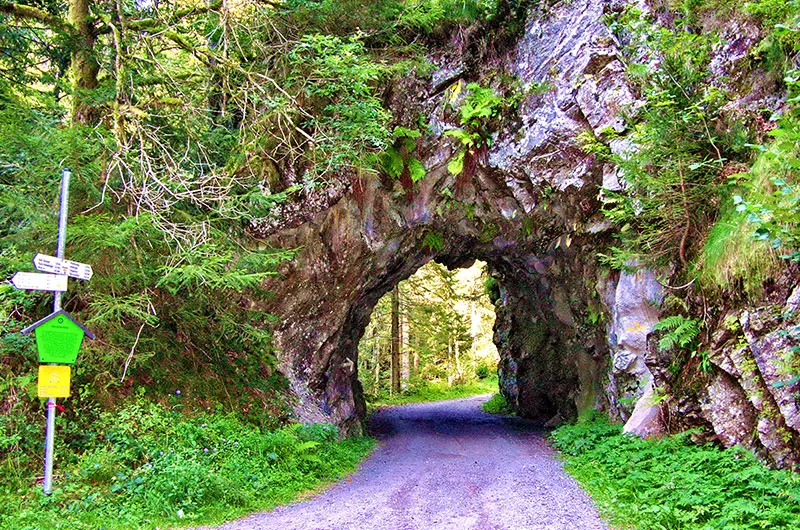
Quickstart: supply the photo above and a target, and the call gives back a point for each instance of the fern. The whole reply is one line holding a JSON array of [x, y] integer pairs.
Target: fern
[[672, 483], [398, 160], [479, 112], [681, 332], [433, 242]]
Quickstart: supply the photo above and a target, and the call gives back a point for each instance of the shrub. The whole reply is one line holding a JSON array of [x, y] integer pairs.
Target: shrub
[[497, 404], [152, 466], [672, 483], [672, 188]]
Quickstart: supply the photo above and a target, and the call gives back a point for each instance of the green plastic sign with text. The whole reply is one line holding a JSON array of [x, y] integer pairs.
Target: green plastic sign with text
[[58, 338]]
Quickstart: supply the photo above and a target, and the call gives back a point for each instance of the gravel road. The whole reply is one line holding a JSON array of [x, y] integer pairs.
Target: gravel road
[[442, 466]]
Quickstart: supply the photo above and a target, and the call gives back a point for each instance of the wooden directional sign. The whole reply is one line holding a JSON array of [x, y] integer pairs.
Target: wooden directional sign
[[53, 381], [34, 281], [54, 265]]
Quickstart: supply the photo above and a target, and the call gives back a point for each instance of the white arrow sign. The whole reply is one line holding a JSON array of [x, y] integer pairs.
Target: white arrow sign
[[54, 265], [34, 281]]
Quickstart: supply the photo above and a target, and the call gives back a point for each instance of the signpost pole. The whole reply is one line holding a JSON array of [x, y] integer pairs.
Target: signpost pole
[[62, 225], [51, 402]]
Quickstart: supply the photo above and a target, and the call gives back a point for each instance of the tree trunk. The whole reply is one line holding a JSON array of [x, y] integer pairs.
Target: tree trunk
[[396, 339], [449, 360], [377, 386], [376, 359], [405, 348], [458, 360], [85, 67], [416, 357]]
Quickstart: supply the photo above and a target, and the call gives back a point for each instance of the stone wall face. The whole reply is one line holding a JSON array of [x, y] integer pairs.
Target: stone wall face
[[571, 334], [747, 401]]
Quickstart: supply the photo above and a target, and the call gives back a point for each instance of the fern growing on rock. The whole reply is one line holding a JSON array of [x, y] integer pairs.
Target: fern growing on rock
[[681, 332]]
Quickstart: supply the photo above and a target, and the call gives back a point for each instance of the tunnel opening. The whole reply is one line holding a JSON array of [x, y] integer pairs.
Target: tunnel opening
[[549, 365], [549, 328], [431, 336]]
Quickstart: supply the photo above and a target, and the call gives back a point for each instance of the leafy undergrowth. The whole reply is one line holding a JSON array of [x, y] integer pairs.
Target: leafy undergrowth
[[436, 391], [497, 404], [156, 467], [674, 484]]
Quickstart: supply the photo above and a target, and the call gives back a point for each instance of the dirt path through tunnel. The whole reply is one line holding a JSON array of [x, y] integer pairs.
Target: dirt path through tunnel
[[445, 465]]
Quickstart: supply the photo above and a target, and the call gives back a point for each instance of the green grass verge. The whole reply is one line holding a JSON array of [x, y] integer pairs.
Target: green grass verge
[[436, 391], [497, 404], [155, 468], [674, 484]]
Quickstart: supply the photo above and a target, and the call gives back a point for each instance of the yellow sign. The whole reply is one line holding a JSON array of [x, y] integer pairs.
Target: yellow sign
[[53, 381]]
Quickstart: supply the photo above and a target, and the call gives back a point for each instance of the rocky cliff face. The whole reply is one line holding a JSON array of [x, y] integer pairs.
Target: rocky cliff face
[[571, 334]]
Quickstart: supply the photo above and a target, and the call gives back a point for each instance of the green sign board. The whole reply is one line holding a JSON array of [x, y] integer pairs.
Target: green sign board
[[58, 338]]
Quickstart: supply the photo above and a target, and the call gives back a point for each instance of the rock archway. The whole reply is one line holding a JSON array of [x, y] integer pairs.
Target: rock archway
[[529, 208], [571, 334], [550, 364]]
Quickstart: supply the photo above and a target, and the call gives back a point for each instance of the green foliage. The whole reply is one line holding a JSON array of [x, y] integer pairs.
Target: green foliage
[[433, 241], [773, 12], [167, 311], [485, 369], [674, 484], [436, 390], [732, 261], [446, 334], [398, 161], [492, 287], [478, 114], [779, 223], [480, 106], [672, 191], [773, 201], [497, 404], [592, 145], [148, 466], [428, 16], [342, 77], [388, 21], [681, 332]]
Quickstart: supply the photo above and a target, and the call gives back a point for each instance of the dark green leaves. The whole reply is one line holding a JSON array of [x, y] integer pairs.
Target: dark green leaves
[[680, 331], [672, 483], [479, 113]]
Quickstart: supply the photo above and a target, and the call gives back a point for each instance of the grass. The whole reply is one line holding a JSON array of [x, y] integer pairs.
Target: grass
[[674, 484], [497, 404], [732, 259], [437, 390], [154, 467]]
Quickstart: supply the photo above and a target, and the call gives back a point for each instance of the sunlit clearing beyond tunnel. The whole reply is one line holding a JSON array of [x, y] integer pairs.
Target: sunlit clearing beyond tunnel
[[431, 337]]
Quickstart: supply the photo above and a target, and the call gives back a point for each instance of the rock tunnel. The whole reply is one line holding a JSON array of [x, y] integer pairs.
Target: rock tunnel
[[571, 334], [552, 313]]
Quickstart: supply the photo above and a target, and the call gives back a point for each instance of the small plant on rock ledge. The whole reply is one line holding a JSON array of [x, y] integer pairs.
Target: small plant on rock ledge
[[478, 113], [681, 332], [398, 160]]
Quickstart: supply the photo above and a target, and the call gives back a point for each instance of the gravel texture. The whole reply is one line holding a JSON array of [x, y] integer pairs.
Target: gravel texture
[[445, 465]]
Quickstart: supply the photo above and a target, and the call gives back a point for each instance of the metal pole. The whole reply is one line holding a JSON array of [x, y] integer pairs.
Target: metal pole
[[62, 225], [51, 402], [48, 446]]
